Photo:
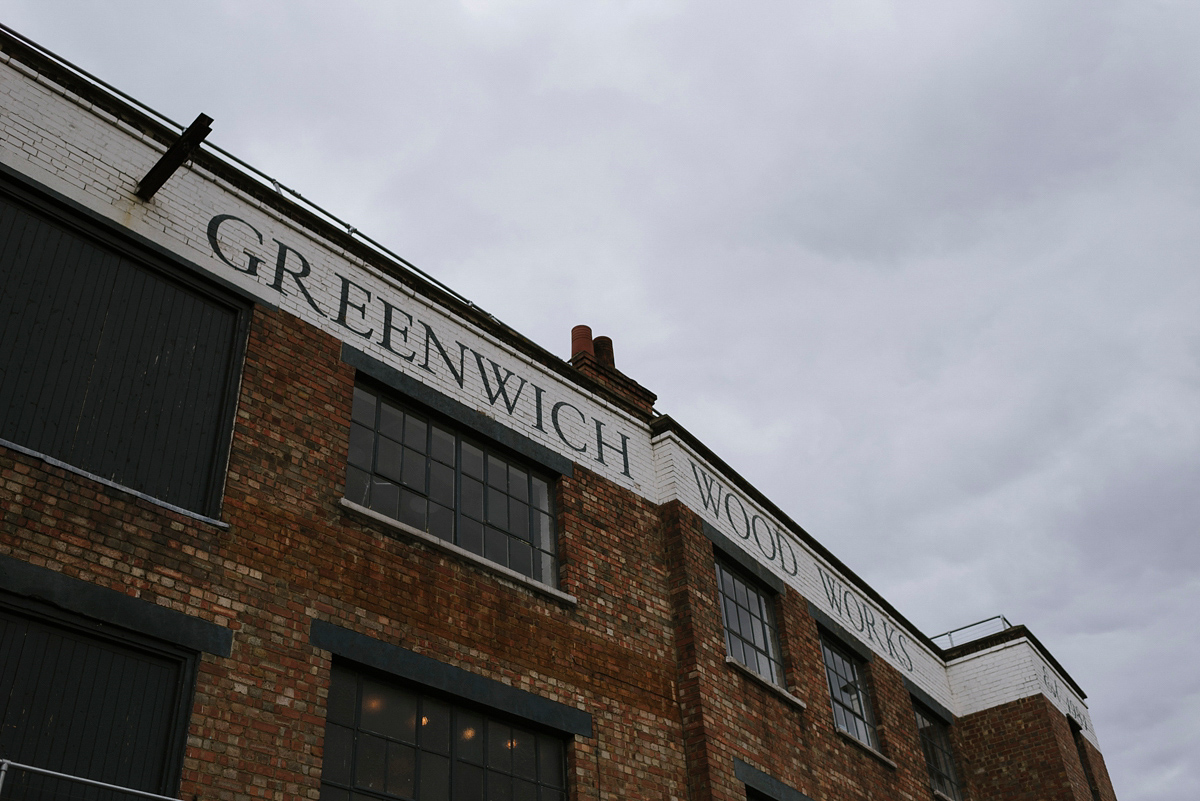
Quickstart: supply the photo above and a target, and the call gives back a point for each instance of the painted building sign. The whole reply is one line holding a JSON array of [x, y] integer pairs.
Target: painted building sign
[[414, 337], [683, 475]]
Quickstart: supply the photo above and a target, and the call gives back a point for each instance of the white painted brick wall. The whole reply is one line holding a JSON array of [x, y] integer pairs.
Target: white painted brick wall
[[1008, 672]]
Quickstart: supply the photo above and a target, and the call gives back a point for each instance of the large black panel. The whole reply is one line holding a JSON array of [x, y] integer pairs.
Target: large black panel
[[88, 706], [111, 360]]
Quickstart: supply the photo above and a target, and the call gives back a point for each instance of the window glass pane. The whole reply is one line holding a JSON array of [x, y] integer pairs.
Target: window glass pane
[[518, 483], [435, 726], [495, 546], [358, 485], [441, 522], [401, 769], [548, 574], [470, 737], [414, 470], [415, 433], [361, 441], [524, 791], [541, 494], [330, 793], [391, 421], [524, 754], [388, 710], [385, 497], [388, 458], [364, 407], [497, 473], [338, 744], [518, 519], [499, 786], [443, 446], [542, 534], [499, 750], [412, 509], [520, 557], [472, 461], [497, 509], [370, 761], [550, 761], [472, 498], [468, 782], [343, 699], [435, 777], [470, 535], [441, 483]]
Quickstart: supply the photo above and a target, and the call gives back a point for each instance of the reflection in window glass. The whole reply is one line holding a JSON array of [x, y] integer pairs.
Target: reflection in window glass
[[426, 475], [385, 741], [751, 636], [939, 756], [851, 703]]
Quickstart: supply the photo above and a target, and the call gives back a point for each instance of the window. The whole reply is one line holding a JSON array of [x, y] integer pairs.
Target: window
[[939, 756], [384, 741], [114, 360], [427, 475], [851, 702], [751, 637]]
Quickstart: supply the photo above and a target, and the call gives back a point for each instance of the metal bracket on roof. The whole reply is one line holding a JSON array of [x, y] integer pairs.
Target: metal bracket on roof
[[176, 155]]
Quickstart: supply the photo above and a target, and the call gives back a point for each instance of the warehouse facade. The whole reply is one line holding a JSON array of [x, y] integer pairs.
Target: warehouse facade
[[284, 518]]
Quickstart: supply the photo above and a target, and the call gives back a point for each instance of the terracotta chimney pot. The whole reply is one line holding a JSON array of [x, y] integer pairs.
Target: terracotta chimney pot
[[581, 341], [604, 352]]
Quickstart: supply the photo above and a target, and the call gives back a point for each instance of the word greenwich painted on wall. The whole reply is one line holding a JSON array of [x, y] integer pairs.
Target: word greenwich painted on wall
[[411, 341]]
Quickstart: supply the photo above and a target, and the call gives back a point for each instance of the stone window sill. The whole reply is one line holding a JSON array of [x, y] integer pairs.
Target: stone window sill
[[70, 468], [447, 547], [775, 688], [938, 794], [867, 748]]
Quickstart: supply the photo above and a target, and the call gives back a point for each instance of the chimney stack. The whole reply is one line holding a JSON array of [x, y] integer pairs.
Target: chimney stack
[[594, 359]]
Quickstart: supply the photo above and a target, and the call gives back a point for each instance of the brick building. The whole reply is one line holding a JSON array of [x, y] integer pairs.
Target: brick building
[[285, 518]]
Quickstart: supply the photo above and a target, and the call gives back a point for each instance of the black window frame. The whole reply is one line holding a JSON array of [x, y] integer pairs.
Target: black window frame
[[756, 612], [471, 520], [847, 679], [117, 241], [399, 742], [938, 748]]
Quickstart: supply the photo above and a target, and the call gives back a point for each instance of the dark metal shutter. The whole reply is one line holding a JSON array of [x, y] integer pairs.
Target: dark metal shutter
[[110, 364], [89, 707]]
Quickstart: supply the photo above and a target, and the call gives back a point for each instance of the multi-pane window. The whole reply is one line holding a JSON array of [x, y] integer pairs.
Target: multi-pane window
[[751, 637], [384, 741], [848, 689], [939, 756], [427, 475]]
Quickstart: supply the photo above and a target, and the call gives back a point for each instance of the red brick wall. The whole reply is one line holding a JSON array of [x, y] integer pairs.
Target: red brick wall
[[642, 651], [1025, 750]]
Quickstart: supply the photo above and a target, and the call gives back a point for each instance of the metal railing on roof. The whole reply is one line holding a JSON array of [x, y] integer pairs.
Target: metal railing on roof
[[973, 631], [23, 789], [262, 177]]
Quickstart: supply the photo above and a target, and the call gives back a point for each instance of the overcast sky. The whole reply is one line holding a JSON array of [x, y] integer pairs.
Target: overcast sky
[[924, 272]]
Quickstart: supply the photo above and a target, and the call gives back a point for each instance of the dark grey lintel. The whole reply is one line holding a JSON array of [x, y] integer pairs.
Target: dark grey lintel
[[116, 608], [436, 675], [458, 412]]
